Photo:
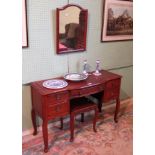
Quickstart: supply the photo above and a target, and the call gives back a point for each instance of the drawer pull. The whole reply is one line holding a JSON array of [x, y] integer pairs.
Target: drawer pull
[[101, 88], [57, 108], [51, 105], [58, 97]]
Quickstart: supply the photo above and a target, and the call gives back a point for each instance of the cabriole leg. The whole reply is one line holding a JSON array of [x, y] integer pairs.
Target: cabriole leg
[[72, 127], [45, 135], [33, 116]]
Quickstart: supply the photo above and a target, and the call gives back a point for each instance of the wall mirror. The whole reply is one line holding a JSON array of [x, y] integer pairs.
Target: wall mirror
[[71, 29]]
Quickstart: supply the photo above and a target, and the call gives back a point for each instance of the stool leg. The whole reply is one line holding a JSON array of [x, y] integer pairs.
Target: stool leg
[[95, 119], [72, 127], [61, 121], [82, 117], [117, 110]]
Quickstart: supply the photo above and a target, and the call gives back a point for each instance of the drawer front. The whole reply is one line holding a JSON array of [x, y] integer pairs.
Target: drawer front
[[113, 84], [112, 89], [87, 91], [58, 110], [57, 98], [111, 94]]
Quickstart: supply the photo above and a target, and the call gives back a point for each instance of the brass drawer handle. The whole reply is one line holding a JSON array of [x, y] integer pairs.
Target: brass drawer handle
[[57, 108], [58, 97], [100, 87], [52, 104]]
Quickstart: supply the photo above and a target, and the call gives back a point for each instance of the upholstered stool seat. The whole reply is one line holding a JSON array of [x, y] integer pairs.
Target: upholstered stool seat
[[79, 106]]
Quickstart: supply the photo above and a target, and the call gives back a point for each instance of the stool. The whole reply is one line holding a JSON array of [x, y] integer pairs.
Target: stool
[[79, 106]]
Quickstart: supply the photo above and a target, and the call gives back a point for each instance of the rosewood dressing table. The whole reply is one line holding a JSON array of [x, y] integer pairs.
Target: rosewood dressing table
[[52, 103]]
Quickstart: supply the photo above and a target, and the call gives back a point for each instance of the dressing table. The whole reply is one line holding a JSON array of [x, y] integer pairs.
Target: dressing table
[[49, 104]]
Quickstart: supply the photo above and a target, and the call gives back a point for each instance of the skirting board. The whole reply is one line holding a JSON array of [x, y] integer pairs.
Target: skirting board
[[30, 131]]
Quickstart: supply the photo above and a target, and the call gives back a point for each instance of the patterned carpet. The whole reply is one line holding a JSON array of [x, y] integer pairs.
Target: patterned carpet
[[111, 138]]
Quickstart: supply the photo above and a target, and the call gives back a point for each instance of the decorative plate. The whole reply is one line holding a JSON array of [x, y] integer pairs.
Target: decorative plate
[[55, 84], [75, 77]]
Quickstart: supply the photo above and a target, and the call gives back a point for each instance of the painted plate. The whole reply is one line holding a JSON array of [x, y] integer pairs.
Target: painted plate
[[55, 84], [75, 77]]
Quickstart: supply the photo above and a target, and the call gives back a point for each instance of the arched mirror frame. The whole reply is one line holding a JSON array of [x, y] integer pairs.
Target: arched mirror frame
[[58, 29]]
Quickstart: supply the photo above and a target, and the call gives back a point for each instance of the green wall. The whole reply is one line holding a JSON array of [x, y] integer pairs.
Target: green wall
[[40, 60]]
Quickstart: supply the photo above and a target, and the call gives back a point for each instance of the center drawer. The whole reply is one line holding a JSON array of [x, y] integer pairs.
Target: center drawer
[[87, 91]]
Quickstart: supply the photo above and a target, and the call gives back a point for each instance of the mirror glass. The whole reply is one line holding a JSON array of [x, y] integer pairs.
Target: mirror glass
[[71, 29]]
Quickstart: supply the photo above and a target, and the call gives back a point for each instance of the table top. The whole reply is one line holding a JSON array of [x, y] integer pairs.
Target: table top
[[92, 80]]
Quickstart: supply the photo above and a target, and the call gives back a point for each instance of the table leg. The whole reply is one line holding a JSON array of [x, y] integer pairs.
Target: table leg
[[100, 101], [100, 106], [99, 98], [117, 110], [95, 119], [33, 117], [61, 121], [45, 135], [72, 127], [82, 117]]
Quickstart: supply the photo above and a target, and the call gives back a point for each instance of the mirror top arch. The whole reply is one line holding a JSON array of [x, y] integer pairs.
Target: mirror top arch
[[71, 5]]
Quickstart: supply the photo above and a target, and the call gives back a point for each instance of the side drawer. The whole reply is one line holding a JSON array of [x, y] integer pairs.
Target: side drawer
[[109, 95], [58, 110], [57, 98], [87, 91], [112, 84], [112, 90]]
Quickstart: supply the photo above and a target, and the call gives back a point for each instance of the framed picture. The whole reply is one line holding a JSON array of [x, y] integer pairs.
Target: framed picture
[[117, 20], [24, 25]]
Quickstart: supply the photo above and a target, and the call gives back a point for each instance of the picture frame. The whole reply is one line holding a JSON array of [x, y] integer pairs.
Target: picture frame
[[117, 22], [24, 25]]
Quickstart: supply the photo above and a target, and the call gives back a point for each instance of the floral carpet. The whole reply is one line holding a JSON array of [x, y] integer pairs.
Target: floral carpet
[[111, 138]]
